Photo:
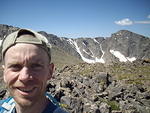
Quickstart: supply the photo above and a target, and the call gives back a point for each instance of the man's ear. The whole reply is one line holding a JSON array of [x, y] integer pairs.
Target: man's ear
[[3, 66], [51, 70]]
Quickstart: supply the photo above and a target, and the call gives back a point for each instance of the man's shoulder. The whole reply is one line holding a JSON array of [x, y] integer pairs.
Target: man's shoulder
[[8, 100], [9, 104], [6, 104], [52, 108]]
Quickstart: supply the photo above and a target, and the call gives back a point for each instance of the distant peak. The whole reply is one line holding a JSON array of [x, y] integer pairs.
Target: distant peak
[[123, 32]]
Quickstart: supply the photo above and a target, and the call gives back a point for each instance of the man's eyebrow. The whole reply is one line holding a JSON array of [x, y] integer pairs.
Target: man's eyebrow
[[11, 64]]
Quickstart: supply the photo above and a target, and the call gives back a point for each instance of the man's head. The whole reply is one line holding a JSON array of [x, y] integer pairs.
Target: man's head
[[27, 66], [25, 36]]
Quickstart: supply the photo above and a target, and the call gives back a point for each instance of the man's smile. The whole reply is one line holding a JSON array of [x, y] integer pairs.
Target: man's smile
[[26, 91]]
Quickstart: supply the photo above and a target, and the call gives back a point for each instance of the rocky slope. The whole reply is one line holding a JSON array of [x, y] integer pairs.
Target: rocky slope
[[97, 88]]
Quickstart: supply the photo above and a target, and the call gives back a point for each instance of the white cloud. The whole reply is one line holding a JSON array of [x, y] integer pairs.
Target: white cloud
[[127, 21], [142, 22], [124, 22]]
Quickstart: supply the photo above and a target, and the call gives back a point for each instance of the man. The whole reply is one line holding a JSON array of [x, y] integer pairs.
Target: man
[[27, 68]]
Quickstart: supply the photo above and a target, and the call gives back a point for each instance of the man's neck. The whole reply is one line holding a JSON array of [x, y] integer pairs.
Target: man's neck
[[37, 107]]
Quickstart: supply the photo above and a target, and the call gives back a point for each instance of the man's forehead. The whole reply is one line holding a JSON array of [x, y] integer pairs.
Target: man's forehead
[[29, 61], [25, 48], [18, 60], [25, 51]]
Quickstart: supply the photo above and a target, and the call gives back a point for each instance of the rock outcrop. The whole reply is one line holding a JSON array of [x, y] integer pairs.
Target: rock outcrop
[[98, 92]]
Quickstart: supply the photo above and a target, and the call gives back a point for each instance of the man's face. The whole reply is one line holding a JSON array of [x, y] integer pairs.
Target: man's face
[[26, 71]]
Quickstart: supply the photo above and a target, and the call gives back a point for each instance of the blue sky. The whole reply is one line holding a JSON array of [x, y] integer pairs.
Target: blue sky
[[78, 18]]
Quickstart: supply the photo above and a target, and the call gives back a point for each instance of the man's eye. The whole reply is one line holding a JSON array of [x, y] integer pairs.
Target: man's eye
[[15, 67], [36, 66]]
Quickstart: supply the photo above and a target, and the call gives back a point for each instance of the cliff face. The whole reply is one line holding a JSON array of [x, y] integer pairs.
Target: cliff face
[[123, 46]]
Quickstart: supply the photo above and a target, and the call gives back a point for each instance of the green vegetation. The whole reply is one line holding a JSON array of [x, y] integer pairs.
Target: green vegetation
[[113, 104], [64, 106], [132, 73], [91, 69], [60, 58], [135, 73]]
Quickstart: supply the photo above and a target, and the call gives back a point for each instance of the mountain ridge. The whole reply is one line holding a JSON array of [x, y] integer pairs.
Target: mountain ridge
[[122, 46]]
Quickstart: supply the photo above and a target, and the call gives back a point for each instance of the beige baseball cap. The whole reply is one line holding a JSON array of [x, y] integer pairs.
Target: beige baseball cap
[[25, 36]]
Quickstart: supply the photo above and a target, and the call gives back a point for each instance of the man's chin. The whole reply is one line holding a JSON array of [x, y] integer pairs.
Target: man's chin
[[26, 99], [24, 102]]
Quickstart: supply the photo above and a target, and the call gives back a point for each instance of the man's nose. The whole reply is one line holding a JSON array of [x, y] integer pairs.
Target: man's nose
[[24, 74]]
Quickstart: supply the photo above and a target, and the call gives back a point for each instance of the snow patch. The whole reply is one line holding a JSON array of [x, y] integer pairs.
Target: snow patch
[[84, 43], [83, 58], [117, 54], [101, 59], [121, 57], [95, 41], [131, 59], [71, 42], [86, 52]]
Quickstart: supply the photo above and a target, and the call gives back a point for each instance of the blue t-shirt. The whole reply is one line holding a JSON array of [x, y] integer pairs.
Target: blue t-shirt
[[8, 106], [50, 108]]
